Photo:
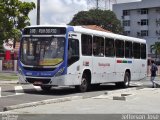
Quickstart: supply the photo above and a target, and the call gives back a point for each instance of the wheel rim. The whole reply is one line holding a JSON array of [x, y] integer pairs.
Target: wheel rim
[[127, 80], [84, 84]]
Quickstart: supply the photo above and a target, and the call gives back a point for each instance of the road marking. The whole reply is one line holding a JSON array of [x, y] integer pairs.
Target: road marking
[[8, 96], [19, 90], [38, 88]]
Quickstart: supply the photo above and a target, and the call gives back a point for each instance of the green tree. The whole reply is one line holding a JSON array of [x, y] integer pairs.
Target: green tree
[[156, 47], [104, 18], [14, 17]]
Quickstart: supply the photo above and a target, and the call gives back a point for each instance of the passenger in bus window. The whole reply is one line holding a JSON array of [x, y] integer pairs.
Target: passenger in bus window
[[101, 52]]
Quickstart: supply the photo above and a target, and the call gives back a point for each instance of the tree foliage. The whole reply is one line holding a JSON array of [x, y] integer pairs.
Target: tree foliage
[[14, 17], [156, 47], [104, 18]]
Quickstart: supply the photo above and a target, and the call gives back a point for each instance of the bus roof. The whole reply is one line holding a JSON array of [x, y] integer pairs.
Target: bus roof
[[107, 34], [85, 30], [33, 26]]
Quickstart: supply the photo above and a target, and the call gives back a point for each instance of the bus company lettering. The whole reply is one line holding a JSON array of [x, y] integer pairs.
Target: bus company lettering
[[103, 64], [85, 63]]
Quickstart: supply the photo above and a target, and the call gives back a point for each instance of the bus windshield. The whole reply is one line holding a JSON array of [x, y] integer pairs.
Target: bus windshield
[[42, 51]]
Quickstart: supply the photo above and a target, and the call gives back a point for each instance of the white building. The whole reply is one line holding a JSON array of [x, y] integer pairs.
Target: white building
[[140, 19]]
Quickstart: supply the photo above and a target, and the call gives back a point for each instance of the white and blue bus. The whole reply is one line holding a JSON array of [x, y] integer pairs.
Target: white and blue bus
[[62, 55]]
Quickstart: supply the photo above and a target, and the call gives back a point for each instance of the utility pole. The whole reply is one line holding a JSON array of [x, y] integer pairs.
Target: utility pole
[[38, 12], [96, 4]]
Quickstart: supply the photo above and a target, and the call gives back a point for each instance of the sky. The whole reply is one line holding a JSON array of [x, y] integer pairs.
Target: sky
[[62, 11]]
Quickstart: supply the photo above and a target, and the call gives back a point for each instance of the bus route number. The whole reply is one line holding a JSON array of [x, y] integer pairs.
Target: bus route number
[[47, 31]]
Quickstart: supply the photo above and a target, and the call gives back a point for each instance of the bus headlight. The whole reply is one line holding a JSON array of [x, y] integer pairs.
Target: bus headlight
[[59, 72]]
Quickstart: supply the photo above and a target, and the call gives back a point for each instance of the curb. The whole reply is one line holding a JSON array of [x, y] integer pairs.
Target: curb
[[43, 102], [119, 94], [120, 91]]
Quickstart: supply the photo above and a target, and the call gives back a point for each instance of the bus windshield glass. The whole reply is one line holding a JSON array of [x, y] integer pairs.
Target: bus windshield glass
[[42, 51]]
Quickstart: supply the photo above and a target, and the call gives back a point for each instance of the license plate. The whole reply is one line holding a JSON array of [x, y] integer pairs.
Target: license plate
[[37, 83]]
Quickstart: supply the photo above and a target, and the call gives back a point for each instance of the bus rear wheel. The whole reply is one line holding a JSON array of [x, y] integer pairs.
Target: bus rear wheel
[[126, 82], [85, 84], [46, 87]]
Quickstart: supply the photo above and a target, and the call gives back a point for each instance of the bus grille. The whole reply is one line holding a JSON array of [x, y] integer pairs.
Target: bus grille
[[33, 80], [38, 69]]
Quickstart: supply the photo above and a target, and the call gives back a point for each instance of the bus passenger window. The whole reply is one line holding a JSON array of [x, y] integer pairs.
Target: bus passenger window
[[136, 50], [109, 47], [86, 45], [73, 51], [119, 45], [98, 46], [143, 51], [128, 49]]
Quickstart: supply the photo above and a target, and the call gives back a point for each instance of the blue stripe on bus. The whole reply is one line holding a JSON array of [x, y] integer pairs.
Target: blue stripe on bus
[[129, 61], [68, 29]]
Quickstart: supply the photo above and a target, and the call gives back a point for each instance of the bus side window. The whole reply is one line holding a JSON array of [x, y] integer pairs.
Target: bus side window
[[73, 51], [119, 45], [109, 47], [136, 50], [128, 49], [143, 51], [98, 46], [86, 45], [69, 51]]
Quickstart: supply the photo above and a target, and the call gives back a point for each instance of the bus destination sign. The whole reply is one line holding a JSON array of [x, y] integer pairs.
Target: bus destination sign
[[44, 31]]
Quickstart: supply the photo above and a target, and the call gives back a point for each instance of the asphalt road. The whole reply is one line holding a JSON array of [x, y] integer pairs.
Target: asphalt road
[[13, 94]]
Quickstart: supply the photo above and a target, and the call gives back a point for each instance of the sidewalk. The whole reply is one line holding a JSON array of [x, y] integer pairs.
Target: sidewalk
[[8, 78]]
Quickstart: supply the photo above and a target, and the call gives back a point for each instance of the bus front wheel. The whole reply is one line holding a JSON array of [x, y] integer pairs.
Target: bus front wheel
[[46, 87], [85, 84]]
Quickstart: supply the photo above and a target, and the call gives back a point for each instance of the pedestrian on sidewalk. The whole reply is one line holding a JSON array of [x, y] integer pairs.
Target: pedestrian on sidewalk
[[153, 70]]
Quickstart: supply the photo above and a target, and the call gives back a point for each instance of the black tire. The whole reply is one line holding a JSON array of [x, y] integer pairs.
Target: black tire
[[85, 84], [46, 87], [125, 83], [119, 84], [95, 86]]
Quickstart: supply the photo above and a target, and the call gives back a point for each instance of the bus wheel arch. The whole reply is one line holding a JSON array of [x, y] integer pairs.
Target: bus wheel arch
[[85, 81]]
